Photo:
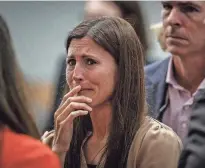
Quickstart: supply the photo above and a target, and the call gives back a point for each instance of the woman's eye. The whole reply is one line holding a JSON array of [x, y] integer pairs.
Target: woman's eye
[[71, 62], [90, 61]]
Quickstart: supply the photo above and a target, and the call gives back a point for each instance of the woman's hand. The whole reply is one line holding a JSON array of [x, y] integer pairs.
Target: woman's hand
[[71, 107]]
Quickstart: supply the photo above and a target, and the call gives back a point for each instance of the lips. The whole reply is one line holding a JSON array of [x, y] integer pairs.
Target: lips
[[175, 37], [85, 92], [85, 89], [176, 41]]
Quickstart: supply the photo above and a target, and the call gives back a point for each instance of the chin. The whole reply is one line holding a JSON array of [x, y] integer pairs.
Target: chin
[[175, 50]]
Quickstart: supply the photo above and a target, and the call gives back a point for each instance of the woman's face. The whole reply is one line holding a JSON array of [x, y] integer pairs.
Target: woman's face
[[93, 68], [101, 8]]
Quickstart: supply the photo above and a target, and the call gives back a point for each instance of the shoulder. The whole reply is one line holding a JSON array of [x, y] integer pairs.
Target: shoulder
[[27, 152], [161, 65], [155, 130], [153, 66], [155, 145]]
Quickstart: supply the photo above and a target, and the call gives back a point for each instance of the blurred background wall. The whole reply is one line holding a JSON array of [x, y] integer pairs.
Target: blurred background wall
[[39, 30]]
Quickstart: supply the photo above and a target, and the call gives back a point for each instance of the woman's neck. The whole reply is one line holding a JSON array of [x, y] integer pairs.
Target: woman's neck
[[101, 117]]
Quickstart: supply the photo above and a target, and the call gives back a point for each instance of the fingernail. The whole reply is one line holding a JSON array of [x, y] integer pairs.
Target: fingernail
[[90, 100], [45, 133]]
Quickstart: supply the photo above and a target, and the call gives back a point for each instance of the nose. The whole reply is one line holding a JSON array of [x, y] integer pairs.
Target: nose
[[78, 73], [174, 18]]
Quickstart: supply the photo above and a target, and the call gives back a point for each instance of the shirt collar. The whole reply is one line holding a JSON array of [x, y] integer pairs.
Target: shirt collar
[[170, 79]]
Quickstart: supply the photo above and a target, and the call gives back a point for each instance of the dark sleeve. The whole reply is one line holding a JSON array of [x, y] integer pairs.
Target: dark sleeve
[[193, 155]]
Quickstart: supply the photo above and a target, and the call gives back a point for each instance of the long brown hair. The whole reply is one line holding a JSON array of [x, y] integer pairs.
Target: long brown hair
[[118, 37], [131, 12], [13, 103]]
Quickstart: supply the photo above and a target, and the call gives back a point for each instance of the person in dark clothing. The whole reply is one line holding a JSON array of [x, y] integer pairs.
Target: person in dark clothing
[[193, 155]]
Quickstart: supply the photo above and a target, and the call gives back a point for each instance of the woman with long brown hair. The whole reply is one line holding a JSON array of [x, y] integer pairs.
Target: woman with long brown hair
[[128, 10], [19, 138], [102, 121]]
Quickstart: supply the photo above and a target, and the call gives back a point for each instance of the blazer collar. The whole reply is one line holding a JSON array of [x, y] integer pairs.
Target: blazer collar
[[156, 88]]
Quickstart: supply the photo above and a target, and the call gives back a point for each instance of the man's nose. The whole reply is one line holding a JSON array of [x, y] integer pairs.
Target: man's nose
[[174, 18]]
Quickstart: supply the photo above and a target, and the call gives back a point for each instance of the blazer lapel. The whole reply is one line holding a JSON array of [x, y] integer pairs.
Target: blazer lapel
[[156, 88]]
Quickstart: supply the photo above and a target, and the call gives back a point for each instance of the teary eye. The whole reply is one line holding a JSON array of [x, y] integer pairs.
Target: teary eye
[[71, 62], [90, 61]]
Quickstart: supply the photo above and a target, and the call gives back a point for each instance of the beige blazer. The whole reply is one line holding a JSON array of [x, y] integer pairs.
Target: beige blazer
[[155, 145]]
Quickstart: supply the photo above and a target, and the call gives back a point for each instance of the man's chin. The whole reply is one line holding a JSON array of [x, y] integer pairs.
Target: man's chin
[[176, 50]]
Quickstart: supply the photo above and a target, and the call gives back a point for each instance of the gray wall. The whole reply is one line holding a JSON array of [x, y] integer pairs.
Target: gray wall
[[152, 12], [39, 30]]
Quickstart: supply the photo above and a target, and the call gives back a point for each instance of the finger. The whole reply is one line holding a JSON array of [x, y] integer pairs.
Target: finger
[[72, 93], [73, 106], [69, 120], [80, 99], [65, 112], [66, 129], [44, 135], [66, 124], [47, 140], [47, 133]]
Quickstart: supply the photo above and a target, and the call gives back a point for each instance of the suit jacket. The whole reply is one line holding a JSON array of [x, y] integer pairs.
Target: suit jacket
[[156, 87], [193, 155]]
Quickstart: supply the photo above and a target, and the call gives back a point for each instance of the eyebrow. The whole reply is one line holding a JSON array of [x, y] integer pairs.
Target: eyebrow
[[84, 55], [182, 3], [70, 56], [188, 3]]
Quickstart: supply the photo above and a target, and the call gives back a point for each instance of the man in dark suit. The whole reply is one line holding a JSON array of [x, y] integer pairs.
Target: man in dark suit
[[193, 155], [175, 86]]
